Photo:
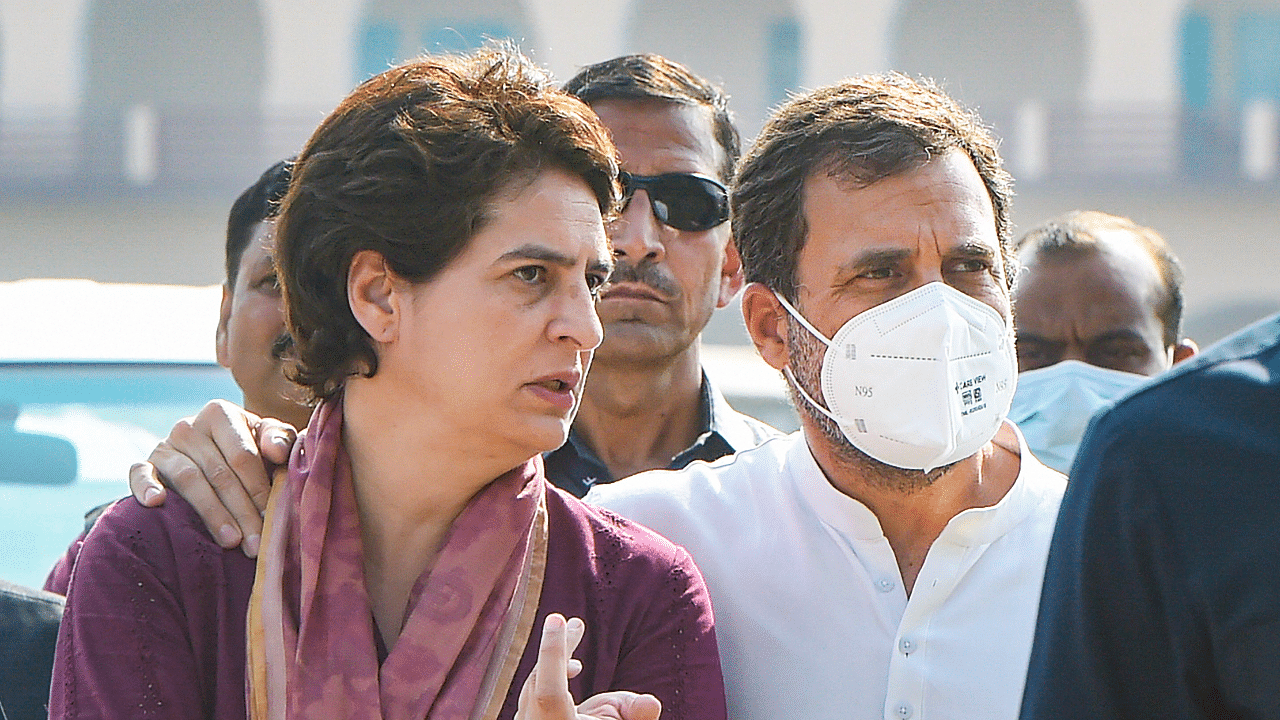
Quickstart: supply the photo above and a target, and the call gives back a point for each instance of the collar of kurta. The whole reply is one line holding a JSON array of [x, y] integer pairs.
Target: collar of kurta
[[971, 527]]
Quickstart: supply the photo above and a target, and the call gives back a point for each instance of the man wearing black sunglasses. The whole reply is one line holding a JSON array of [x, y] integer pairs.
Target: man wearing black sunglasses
[[648, 403]]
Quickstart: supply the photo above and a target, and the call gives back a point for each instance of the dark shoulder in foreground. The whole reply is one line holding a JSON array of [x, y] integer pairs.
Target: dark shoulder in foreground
[[1160, 597], [174, 526], [1202, 403], [28, 630], [155, 620]]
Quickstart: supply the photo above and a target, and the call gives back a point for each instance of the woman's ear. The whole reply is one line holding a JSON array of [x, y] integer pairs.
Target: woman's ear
[[766, 321], [371, 292]]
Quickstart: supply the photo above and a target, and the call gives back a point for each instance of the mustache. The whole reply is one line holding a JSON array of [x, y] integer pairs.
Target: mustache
[[645, 274], [282, 347]]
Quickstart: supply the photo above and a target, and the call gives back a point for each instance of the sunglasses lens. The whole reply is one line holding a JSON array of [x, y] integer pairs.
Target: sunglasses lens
[[689, 203], [683, 201]]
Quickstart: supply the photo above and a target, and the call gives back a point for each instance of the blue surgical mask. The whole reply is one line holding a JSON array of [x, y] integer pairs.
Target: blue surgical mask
[[1053, 405]]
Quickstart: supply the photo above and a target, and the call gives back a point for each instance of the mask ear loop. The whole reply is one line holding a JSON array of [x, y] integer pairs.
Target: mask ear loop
[[800, 319], [786, 370]]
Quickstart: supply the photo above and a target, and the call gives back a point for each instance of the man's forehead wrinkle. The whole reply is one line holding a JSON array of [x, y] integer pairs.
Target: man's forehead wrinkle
[[1119, 270], [1066, 331], [666, 159], [1028, 336], [1077, 312], [1120, 333]]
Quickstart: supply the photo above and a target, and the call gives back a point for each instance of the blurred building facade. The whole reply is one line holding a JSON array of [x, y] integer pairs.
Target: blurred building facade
[[166, 99]]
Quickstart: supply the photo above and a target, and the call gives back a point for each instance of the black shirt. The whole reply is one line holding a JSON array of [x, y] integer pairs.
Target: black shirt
[[1162, 592], [575, 467], [28, 632]]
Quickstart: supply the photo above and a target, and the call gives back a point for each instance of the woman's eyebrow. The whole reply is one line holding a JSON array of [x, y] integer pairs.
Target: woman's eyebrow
[[534, 251]]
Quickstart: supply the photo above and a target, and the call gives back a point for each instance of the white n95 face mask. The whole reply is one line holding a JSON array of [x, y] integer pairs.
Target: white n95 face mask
[[1053, 405], [920, 381]]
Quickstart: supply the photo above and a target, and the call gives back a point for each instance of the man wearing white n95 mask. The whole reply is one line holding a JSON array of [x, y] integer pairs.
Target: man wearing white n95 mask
[[1099, 310], [886, 560]]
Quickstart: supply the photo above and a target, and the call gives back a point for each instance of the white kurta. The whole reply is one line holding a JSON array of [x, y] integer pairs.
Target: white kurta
[[811, 614]]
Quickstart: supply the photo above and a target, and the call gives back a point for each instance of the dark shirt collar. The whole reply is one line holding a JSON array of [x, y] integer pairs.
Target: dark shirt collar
[[575, 467]]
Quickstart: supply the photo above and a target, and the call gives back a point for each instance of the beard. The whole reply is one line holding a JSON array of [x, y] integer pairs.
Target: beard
[[804, 355]]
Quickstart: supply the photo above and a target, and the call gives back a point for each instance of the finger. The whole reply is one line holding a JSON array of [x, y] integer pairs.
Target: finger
[[240, 479], [641, 707], [551, 697], [621, 704], [198, 461], [181, 471], [275, 440], [574, 630], [145, 486]]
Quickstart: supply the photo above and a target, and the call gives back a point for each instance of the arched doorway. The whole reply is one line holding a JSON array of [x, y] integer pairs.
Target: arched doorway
[[173, 92], [395, 30], [753, 48]]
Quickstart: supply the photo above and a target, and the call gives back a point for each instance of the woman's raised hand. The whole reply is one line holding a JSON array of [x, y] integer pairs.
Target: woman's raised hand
[[545, 695]]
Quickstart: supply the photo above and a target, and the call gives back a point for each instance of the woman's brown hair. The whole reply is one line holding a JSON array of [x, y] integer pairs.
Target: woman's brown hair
[[409, 166]]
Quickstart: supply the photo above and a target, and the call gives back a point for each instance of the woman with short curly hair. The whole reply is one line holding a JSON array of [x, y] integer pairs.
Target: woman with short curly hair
[[440, 250]]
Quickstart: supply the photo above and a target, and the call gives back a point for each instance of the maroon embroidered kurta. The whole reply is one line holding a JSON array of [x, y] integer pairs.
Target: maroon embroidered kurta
[[155, 617]]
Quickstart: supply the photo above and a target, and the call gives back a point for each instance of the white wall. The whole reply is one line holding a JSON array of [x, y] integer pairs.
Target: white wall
[[310, 53], [574, 34], [42, 56], [845, 38], [1133, 54]]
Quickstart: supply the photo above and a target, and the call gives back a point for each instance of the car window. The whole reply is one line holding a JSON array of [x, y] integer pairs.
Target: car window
[[68, 434]]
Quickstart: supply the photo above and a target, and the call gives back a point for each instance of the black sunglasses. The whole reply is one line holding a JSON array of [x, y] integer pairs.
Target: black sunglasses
[[684, 201]]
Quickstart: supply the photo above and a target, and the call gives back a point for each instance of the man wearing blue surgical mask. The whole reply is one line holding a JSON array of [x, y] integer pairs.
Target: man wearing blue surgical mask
[[1098, 305]]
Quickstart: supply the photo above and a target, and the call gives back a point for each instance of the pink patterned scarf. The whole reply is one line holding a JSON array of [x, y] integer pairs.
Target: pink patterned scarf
[[311, 635]]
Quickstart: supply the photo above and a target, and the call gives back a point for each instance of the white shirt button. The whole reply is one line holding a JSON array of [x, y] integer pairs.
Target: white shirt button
[[903, 711], [906, 646], [885, 585]]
